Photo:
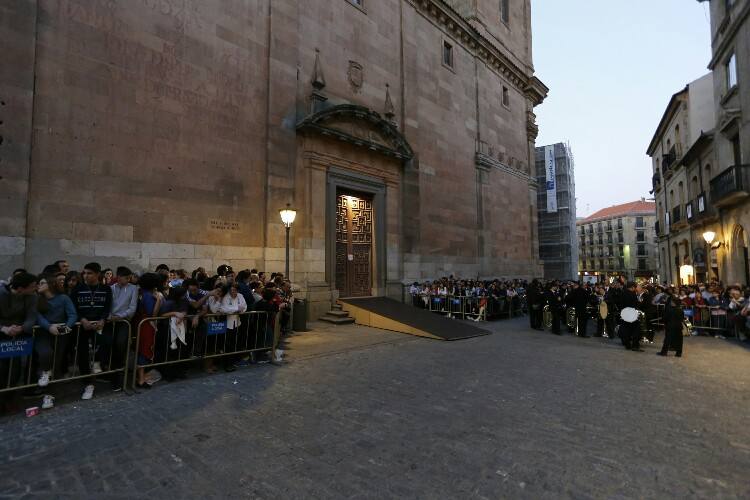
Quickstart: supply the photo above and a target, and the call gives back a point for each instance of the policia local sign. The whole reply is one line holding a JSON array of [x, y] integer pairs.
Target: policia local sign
[[16, 347], [550, 168]]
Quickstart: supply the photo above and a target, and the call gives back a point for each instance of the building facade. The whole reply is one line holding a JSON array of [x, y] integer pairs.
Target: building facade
[[156, 131], [619, 241], [683, 162], [728, 192], [556, 208]]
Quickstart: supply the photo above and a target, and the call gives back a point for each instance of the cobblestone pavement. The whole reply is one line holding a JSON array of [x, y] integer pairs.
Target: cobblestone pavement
[[365, 414]]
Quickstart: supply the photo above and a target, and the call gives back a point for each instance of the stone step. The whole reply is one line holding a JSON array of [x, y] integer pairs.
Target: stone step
[[336, 307], [337, 320], [338, 313]]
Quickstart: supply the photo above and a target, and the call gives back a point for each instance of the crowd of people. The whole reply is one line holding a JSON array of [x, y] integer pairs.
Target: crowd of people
[[697, 309], [700, 309], [81, 322], [489, 298]]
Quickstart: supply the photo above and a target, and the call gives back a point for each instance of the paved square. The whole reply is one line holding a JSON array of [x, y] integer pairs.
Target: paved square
[[360, 413]]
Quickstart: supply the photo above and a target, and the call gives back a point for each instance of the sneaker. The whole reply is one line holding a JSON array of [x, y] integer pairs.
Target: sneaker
[[88, 392], [97, 367], [153, 377], [48, 402], [44, 379]]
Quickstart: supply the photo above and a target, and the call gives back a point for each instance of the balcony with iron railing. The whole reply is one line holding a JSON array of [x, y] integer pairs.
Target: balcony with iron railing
[[702, 209], [731, 186], [656, 181], [669, 161]]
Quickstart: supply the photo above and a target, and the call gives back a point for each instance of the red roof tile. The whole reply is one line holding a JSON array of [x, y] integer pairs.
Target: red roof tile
[[633, 208]]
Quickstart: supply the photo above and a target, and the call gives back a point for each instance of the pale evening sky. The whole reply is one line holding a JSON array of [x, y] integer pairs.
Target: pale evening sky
[[612, 68]]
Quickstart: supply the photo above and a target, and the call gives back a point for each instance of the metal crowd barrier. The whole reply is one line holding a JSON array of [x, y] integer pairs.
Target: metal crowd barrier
[[67, 355], [714, 318], [470, 307], [704, 318], [156, 346]]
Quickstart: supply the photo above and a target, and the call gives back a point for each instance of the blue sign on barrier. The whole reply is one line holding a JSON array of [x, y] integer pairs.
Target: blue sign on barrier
[[216, 328], [17, 347]]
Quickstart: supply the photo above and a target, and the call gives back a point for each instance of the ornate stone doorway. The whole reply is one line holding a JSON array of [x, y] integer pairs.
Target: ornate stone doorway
[[354, 242]]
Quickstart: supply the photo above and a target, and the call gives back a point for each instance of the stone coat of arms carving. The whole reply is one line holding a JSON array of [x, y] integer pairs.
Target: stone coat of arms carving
[[356, 76]]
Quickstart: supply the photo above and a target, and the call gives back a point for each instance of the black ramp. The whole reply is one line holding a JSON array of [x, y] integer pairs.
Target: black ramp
[[420, 319]]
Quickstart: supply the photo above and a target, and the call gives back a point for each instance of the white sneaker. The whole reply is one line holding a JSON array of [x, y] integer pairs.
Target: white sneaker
[[279, 355], [44, 379], [88, 392], [153, 377], [48, 402], [97, 367]]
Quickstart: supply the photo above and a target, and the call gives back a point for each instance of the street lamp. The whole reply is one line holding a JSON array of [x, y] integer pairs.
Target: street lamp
[[709, 236], [288, 215]]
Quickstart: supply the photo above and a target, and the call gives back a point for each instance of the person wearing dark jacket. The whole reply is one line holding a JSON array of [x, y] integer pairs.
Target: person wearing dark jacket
[[93, 302], [552, 297], [673, 318], [580, 298], [630, 333], [535, 301], [18, 315]]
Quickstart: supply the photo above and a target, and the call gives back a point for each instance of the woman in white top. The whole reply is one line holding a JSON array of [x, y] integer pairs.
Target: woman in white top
[[232, 304]]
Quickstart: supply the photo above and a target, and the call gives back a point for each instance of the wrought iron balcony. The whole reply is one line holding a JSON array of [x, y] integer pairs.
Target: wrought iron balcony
[[731, 186], [656, 181]]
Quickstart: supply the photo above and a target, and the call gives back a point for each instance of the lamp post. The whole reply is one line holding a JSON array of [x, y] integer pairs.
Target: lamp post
[[709, 236], [288, 215]]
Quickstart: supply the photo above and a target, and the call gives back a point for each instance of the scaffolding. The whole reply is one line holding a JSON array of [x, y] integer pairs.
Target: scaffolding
[[558, 241]]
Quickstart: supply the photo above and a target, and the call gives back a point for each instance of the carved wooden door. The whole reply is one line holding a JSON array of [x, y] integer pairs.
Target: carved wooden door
[[353, 246]]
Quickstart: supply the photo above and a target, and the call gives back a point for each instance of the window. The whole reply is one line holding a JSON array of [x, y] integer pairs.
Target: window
[[639, 222], [506, 97], [641, 250], [619, 223], [640, 236], [619, 238], [731, 68], [505, 11], [448, 54], [642, 264], [621, 263]]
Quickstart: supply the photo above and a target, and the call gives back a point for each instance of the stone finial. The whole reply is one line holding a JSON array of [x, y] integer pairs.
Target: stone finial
[[390, 110], [318, 79], [317, 98]]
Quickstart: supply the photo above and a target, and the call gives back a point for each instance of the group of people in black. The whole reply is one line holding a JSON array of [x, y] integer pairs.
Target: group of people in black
[[586, 300]]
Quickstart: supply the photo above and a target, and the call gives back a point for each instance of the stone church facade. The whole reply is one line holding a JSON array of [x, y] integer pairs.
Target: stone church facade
[[149, 131]]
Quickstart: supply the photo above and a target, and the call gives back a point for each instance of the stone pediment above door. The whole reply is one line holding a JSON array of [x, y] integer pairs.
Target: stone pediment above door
[[360, 126]]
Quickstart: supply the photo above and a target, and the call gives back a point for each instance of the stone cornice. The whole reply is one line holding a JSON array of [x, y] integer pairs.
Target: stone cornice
[[487, 163], [460, 28]]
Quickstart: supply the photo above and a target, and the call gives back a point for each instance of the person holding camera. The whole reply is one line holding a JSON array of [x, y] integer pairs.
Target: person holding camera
[[56, 317]]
